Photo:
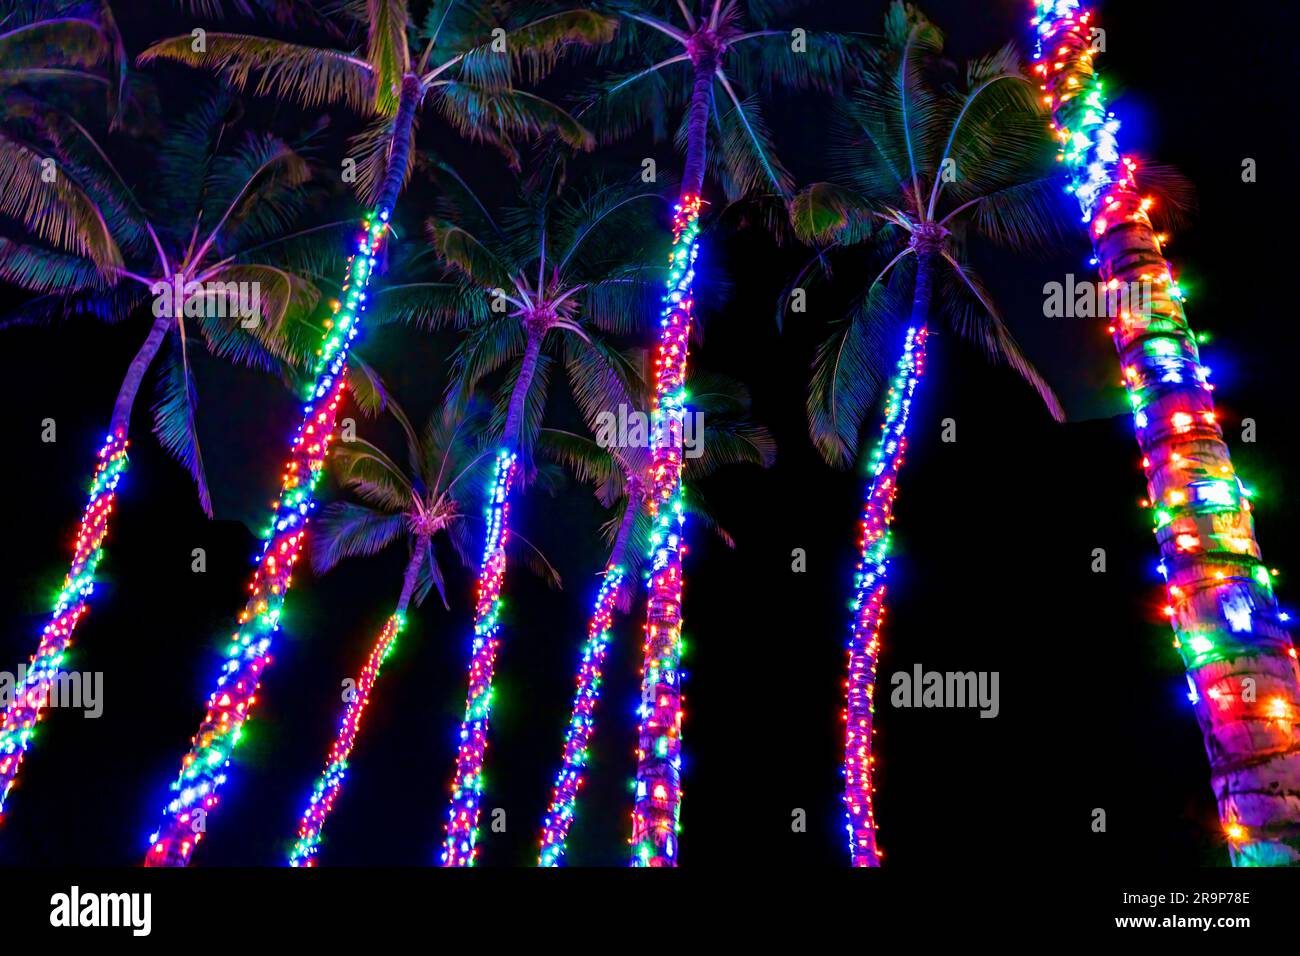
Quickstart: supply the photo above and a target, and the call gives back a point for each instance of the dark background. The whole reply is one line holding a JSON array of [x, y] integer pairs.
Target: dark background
[[994, 539]]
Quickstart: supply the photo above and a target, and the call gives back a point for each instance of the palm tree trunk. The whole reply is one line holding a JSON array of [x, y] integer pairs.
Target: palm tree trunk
[[1240, 661], [704, 62], [513, 433], [203, 769], [658, 790], [461, 832], [869, 583], [135, 373], [568, 781], [20, 716], [330, 782], [399, 151]]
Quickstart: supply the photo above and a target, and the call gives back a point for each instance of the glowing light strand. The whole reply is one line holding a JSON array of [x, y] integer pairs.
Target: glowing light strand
[[203, 769], [460, 843], [868, 605], [658, 794], [569, 779], [31, 693], [1220, 603], [330, 782]]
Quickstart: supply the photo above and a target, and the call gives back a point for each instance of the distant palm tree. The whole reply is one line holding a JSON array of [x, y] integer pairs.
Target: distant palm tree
[[469, 59], [548, 275], [693, 51], [618, 471], [924, 153], [435, 494], [196, 237]]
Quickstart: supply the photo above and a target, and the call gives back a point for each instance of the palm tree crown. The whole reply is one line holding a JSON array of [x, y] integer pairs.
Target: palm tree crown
[[926, 157]]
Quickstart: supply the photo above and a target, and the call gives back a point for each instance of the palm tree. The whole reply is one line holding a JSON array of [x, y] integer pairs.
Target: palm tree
[[459, 70], [1240, 661], [689, 49], [431, 497], [924, 155], [198, 243], [51, 51], [548, 274], [618, 471]]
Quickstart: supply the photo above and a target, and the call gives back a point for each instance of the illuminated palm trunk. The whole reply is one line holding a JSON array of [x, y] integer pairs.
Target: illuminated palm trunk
[[1240, 662], [657, 806], [330, 782], [24, 712], [203, 769], [460, 841], [582, 721], [869, 599], [460, 835]]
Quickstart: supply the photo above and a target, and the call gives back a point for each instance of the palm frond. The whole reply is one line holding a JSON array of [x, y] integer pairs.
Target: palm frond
[[848, 371], [307, 75], [345, 530], [976, 317], [174, 422]]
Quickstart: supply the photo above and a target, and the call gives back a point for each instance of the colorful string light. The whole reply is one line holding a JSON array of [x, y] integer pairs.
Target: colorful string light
[[568, 781], [31, 694], [203, 769], [330, 782], [658, 779], [1241, 665], [461, 833], [869, 602]]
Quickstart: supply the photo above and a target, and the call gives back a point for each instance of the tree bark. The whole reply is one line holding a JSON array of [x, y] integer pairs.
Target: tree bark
[[513, 432], [1239, 658], [704, 62], [135, 373], [399, 152], [418, 548]]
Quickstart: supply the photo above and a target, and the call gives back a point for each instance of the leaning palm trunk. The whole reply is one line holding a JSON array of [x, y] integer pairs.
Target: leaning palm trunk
[[460, 841], [330, 782], [659, 744], [869, 589], [203, 769], [1240, 662], [568, 781], [30, 697]]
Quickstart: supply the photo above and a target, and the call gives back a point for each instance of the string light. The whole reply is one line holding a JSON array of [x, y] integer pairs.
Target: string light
[[460, 843], [569, 779], [1227, 626], [203, 769], [658, 781], [31, 694], [330, 782], [869, 602]]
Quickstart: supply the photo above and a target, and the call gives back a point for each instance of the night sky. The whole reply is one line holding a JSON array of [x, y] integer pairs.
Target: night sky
[[993, 534]]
